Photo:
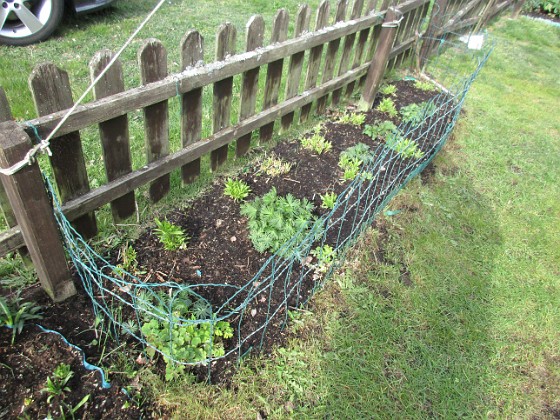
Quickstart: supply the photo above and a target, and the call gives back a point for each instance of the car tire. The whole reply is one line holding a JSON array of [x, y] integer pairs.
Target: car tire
[[48, 13]]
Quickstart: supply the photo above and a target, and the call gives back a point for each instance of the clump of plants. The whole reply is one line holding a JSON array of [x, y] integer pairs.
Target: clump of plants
[[425, 86], [325, 256], [416, 113], [387, 106], [57, 384], [380, 130], [172, 237], [328, 200], [388, 90], [273, 220], [354, 118], [404, 147], [316, 143], [352, 158], [274, 166], [236, 189], [180, 328], [15, 313]]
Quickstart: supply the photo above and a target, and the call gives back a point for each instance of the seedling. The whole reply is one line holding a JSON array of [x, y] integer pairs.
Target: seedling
[[15, 314], [416, 113], [388, 90], [387, 106], [425, 86], [57, 384], [406, 148], [326, 256], [236, 189], [273, 166], [352, 118], [171, 236], [352, 158], [317, 142], [328, 200], [380, 130], [273, 220]]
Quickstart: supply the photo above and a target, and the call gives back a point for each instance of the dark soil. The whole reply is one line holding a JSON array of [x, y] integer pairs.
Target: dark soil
[[543, 15], [219, 251]]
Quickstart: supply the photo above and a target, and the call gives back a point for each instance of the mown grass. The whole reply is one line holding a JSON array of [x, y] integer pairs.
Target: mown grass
[[450, 308]]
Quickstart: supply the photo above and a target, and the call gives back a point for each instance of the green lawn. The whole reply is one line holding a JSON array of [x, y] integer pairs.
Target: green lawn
[[451, 310]]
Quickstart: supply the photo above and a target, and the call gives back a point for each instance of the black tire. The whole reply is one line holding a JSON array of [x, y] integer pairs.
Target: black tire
[[49, 24]]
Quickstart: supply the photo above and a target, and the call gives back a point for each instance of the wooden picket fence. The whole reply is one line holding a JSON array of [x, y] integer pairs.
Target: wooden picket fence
[[328, 60]]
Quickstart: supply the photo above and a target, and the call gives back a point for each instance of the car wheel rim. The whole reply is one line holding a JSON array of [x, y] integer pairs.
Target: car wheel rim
[[21, 18]]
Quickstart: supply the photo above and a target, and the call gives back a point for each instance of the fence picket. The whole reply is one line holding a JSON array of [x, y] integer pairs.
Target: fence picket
[[192, 55], [274, 71], [296, 62], [114, 132], [225, 46], [347, 49], [50, 87], [152, 58], [332, 50], [5, 208], [315, 56], [250, 84], [361, 43]]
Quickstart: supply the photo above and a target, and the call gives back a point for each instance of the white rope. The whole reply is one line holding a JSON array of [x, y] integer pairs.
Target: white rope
[[393, 24], [44, 145]]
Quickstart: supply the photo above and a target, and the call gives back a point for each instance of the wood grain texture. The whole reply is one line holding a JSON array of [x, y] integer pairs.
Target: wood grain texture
[[7, 212], [114, 132], [50, 87], [192, 56], [152, 59], [250, 81]]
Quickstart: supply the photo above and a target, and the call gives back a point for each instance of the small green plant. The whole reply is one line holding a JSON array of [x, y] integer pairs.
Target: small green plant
[[236, 189], [273, 220], [380, 130], [182, 331], [325, 256], [388, 90], [328, 200], [353, 118], [406, 148], [171, 236], [352, 158], [416, 113], [387, 106], [129, 261], [15, 313], [57, 384], [317, 142], [425, 86], [273, 166]]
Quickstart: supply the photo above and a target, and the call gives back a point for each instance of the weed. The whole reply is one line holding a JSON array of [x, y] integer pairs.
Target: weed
[[405, 148], [57, 384], [15, 313], [129, 261], [236, 189], [171, 236], [380, 130], [388, 90], [387, 106], [317, 142], [273, 166], [273, 220], [425, 86], [352, 118], [325, 256], [328, 200]]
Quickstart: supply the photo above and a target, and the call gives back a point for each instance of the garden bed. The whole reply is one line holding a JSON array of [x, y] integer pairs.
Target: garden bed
[[217, 264]]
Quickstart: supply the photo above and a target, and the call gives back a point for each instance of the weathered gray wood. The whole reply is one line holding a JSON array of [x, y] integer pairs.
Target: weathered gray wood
[[330, 58], [296, 62], [225, 46], [152, 59], [123, 103], [250, 84], [34, 213], [274, 71], [11, 240], [379, 62], [114, 132], [460, 14], [154, 170], [517, 7], [349, 41], [436, 23], [50, 87], [192, 56], [6, 115], [315, 55], [359, 49]]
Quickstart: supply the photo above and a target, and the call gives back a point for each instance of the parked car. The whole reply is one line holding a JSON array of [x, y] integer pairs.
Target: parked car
[[24, 22]]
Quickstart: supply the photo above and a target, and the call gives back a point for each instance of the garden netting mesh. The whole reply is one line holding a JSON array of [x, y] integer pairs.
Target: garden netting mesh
[[178, 322]]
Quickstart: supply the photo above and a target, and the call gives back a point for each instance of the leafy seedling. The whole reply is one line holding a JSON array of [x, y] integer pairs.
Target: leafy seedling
[[328, 200], [57, 384], [171, 236], [416, 113], [352, 158], [380, 130], [236, 189], [316, 143], [425, 86], [405, 148], [388, 90], [353, 118], [387, 106], [325, 256], [14, 314], [273, 166]]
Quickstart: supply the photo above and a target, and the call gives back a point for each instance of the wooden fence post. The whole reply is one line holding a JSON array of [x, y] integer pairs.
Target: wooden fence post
[[380, 59], [436, 23], [34, 214], [517, 8]]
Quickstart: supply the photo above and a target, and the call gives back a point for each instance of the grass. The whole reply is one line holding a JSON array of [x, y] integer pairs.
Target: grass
[[450, 308]]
